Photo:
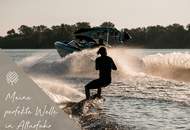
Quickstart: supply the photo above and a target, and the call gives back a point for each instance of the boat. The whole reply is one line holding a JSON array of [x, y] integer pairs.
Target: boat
[[92, 38]]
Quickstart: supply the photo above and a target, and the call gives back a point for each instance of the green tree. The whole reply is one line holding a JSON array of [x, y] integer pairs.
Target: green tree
[[172, 36], [39, 35], [188, 27], [11, 32], [138, 36], [39, 29], [80, 25], [107, 25], [25, 30], [68, 30]]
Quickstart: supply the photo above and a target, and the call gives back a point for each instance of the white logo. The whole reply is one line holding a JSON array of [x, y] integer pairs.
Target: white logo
[[12, 77]]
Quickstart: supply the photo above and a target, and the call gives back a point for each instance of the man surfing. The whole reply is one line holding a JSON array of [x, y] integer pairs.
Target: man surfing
[[105, 65]]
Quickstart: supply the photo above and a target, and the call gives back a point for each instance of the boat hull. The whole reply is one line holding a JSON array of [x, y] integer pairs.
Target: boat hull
[[64, 49]]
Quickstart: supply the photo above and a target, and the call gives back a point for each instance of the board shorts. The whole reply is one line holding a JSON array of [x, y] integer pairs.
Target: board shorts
[[98, 83]]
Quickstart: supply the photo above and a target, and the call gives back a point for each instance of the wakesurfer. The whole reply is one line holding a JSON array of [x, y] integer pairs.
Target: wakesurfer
[[105, 65]]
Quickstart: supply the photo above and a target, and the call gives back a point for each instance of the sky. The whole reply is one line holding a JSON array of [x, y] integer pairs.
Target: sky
[[123, 13]]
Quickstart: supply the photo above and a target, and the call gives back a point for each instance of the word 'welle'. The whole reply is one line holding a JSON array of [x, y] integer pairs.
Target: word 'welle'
[[45, 111]]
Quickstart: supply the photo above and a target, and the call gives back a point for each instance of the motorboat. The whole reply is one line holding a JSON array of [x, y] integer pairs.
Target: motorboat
[[92, 38]]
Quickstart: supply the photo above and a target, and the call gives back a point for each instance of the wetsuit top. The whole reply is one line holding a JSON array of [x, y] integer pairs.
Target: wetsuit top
[[105, 64]]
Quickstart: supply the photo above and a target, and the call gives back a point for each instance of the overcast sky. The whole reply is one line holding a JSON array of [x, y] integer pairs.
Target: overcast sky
[[123, 13]]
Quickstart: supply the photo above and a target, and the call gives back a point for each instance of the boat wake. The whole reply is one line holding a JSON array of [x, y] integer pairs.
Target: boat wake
[[171, 65], [141, 78]]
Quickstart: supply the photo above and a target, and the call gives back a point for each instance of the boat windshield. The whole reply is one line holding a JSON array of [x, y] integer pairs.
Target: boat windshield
[[74, 43]]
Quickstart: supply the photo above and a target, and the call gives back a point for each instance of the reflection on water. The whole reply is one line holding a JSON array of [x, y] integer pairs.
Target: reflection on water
[[136, 99], [148, 114], [146, 103]]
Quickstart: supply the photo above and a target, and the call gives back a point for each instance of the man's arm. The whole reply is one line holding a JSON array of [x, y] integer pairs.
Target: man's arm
[[114, 67], [97, 65]]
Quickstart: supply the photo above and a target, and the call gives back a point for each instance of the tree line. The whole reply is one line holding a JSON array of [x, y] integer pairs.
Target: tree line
[[172, 36]]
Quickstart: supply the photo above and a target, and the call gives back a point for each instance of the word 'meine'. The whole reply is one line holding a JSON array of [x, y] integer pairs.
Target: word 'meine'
[[13, 97]]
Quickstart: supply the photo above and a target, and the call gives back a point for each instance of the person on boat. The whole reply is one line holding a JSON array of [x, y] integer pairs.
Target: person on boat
[[101, 41], [105, 65]]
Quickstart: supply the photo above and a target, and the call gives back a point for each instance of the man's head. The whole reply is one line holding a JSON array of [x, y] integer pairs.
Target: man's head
[[102, 51]]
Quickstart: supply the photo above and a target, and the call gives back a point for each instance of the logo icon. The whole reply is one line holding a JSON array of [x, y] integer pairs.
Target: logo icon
[[12, 77]]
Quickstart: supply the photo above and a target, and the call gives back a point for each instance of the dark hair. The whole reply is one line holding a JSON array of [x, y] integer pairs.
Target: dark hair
[[102, 51]]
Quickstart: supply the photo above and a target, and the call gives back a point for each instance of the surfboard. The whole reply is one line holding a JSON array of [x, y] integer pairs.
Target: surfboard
[[95, 96], [84, 106]]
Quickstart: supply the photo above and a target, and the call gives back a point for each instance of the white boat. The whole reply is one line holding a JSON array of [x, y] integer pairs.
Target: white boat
[[91, 38]]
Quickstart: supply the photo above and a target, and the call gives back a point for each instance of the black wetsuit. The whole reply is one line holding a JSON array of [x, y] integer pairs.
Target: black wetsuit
[[104, 64]]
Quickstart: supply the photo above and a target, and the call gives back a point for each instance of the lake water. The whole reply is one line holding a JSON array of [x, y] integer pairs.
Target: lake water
[[150, 90]]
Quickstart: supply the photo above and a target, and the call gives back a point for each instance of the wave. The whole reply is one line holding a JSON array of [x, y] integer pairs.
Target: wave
[[58, 90], [174, 65], [76, 63], [135, 78]]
